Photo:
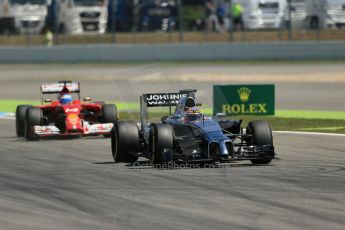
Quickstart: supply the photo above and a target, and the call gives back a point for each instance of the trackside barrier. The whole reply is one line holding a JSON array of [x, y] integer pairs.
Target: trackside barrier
[[174, 52]]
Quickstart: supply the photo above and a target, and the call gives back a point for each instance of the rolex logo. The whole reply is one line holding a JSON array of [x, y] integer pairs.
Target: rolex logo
[[244, 94]]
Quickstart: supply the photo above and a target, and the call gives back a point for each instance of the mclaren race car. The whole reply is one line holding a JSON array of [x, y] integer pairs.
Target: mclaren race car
[[189, 136], [65, 116]]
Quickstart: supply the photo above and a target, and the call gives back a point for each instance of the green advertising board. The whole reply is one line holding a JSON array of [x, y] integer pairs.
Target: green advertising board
[[244, 99]]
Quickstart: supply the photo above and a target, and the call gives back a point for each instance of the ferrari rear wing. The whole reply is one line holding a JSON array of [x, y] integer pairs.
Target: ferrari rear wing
[[73, 87], [56, 88], [161, 100]]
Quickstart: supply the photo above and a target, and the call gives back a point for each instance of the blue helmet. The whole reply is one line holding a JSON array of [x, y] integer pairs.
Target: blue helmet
[[65, 99]]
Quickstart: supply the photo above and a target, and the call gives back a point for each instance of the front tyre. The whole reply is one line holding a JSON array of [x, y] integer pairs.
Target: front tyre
[[33, 118], [261, 135], [20, 119], [109, 113], [125, 142], [161, 138]]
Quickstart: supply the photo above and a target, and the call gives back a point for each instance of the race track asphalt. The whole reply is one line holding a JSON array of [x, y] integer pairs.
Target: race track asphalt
[[74, 184]]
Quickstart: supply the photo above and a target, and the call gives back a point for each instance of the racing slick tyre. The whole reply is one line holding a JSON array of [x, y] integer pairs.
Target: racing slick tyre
[[33, 117], [161, 138], [109, 113], [20, 119], [261, 135], [125, 142]]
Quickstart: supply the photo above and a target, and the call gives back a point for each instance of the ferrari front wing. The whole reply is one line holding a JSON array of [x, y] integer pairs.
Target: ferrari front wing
[[88, 130]]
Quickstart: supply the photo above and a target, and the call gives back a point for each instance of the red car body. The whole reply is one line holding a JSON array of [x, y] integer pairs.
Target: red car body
[[72, 119]]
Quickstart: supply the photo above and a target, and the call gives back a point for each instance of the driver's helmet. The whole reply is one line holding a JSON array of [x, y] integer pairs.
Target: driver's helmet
[[193, 114], [66, 99]]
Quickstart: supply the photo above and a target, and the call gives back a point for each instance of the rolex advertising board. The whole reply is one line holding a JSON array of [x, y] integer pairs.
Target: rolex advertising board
[[244, 99]]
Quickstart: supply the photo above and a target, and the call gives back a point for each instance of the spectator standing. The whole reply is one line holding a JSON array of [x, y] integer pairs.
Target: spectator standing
[[227, 18], [48, 37], [221, 14], [236, 14], [212, 19]]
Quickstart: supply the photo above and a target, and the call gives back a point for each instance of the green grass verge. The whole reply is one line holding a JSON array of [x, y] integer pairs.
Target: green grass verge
[[301, 124], [328, 129], [289, 120], [10, 105]]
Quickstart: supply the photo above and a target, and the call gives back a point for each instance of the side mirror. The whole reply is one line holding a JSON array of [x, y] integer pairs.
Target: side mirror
[[198, 104], [47, 100], [87, 99]]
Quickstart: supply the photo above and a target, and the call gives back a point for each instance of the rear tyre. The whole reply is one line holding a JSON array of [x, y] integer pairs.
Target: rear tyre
[[125, 142], [109, 113], [161, 138], [20, 119], [261, 135], [33, 117]]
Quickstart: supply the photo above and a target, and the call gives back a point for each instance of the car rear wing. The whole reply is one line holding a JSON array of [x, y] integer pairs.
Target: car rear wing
[[161, 100], [56, 88]]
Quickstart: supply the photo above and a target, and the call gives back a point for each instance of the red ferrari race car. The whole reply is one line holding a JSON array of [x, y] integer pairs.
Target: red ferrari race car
[[64, 116]]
